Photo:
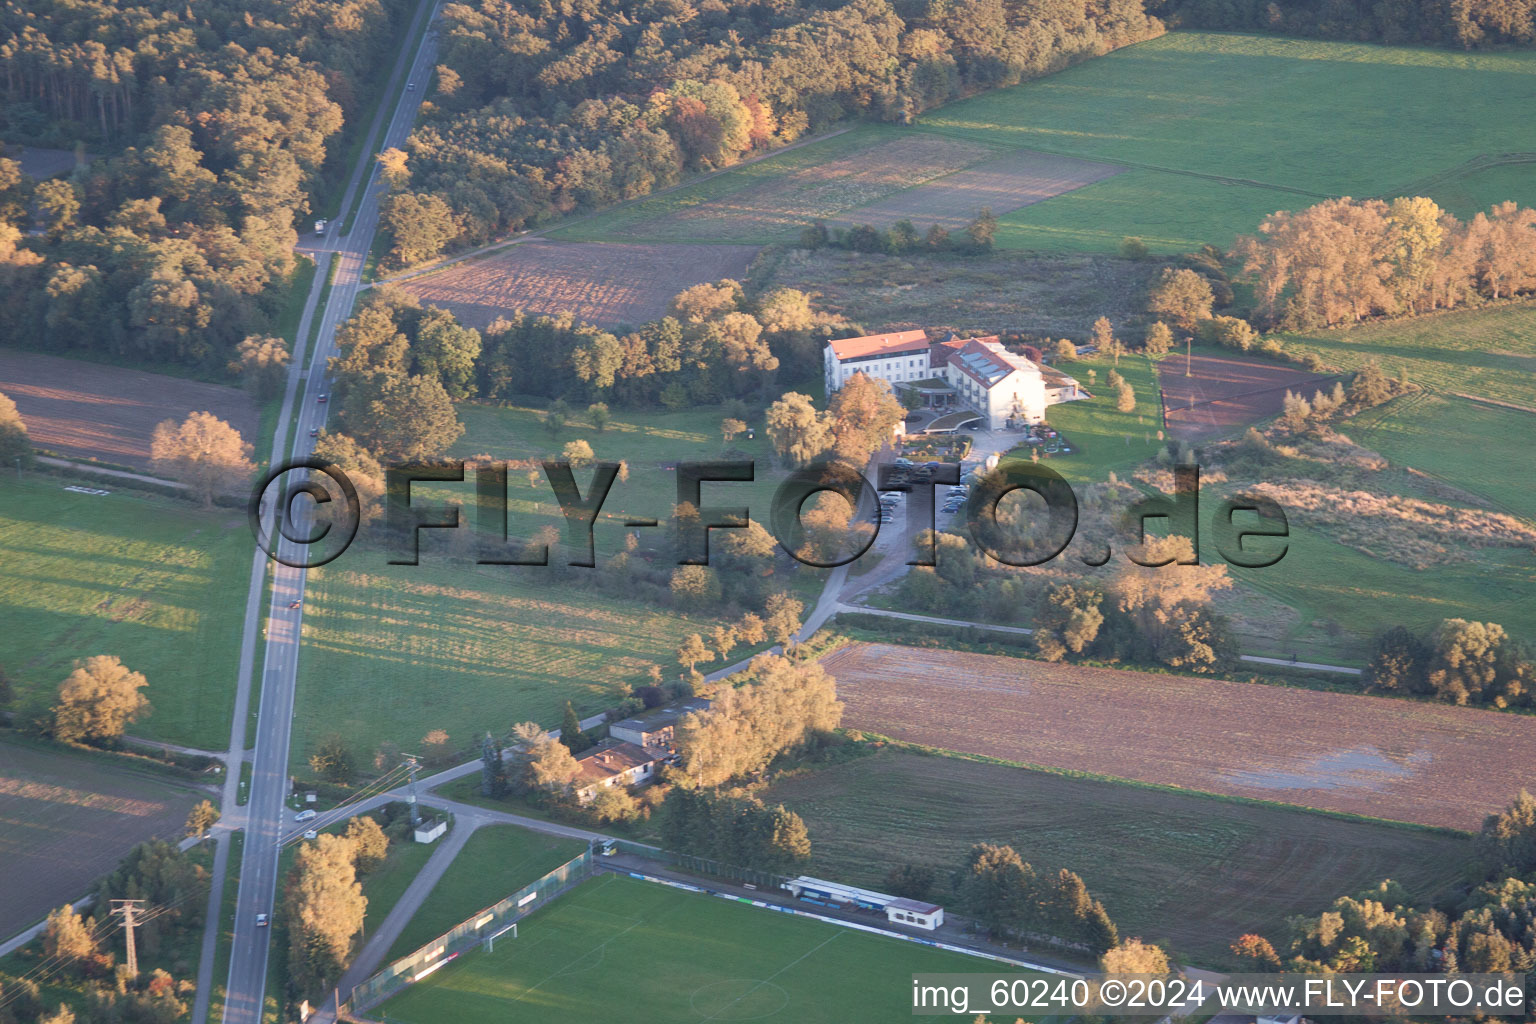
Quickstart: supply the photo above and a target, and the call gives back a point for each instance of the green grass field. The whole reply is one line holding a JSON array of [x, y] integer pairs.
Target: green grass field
[[496, 861], [1476, 447], [1260, 110], [1218, 130], [1489, 353], [640, 220], [391, 652], [1198, 871], [152, 580], [1097, 430], [655, 955]]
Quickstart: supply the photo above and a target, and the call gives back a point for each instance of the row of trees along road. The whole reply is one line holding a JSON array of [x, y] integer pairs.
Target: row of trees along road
[[211, 125], [559, 110]]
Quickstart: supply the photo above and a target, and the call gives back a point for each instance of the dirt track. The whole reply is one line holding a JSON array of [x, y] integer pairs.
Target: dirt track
[[1430, 764], [94, 411], [600, 283]]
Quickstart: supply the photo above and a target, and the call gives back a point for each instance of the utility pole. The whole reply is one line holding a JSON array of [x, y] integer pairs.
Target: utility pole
[[410, 763], [1189, 339], [127, 909]]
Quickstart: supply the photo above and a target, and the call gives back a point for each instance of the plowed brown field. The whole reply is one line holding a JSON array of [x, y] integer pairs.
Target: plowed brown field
[[600, 283], [1429, 764], [95, 411]]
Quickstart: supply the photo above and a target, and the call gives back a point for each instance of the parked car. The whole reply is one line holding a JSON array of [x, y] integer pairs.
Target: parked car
[[903, 461]]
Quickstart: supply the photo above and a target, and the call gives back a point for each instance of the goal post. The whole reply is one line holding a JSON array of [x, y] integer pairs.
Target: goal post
[[490, 942]]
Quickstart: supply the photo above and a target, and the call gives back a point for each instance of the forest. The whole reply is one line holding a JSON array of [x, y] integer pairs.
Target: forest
[[1466, 24], [209, 125], [541, 110]]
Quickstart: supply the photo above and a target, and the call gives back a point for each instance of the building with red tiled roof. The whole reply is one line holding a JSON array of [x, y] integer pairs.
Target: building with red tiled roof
[[894, 358], [1001, 386], [612, 764]]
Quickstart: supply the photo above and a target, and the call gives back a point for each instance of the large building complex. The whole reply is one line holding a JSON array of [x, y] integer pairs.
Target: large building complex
[[981, 375]]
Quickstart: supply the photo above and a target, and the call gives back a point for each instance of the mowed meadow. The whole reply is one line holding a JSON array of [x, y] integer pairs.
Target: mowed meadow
[[155, 581], [391, 652], [1190, 869], [1210, 132], [1219, 130]]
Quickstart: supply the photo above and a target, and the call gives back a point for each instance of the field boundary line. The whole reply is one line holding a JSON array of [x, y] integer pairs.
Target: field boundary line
[[769, 980], [855, 925]]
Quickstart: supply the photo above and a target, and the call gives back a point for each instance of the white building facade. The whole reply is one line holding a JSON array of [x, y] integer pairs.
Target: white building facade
[[999, 385], [895, 358]]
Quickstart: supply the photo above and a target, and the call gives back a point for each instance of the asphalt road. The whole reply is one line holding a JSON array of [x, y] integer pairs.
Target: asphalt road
[[265, 811]]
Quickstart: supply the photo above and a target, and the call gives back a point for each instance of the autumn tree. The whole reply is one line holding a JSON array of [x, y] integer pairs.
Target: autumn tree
[[784, 705], [1399, 662], [1167, 602], [1256, 954], [402, 418], [369, 843], [1125, 398], [419, 226], [1465, 659], [201, 818], [1065, 351], [863, 414], [599, 416], [982, 229], [785, 309], [66, 936], [578, 453], [693, 651], [551, 766], [798, 431], [782, 617], [1181, 295], [1507, 840], [393, 169], [1159, 338], [1134, 957], [1069, 622], [324, 907], [731, 428], [1294, 410], [361, 467], [14, 442], [203, 452], [98, 700], [262, 363]]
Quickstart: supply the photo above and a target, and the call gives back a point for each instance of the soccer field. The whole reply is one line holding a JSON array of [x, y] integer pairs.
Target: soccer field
[[618, 948]]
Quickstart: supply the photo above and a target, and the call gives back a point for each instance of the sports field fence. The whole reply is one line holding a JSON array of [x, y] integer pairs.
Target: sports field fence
[[483, 926]]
